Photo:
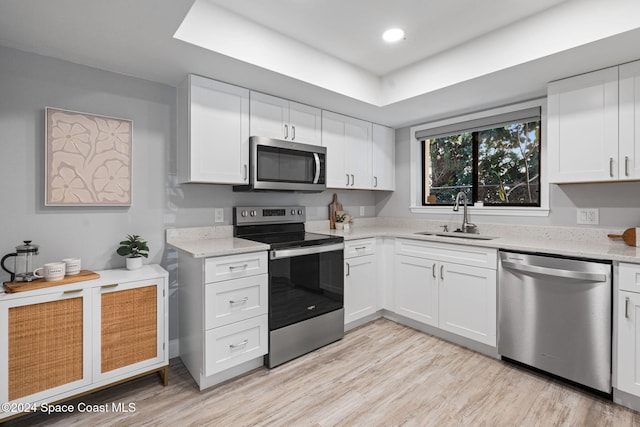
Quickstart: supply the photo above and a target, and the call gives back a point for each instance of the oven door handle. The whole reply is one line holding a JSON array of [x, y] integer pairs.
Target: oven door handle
[[316, 178], [307, 250]]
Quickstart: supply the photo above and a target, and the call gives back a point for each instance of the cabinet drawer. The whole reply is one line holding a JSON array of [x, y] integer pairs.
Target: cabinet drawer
[[458, 254], [231, 345], [629, 277], [235, 266], [360, 247], [235, 300]]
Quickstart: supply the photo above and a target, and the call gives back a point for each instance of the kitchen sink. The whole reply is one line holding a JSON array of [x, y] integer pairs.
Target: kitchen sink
[[457, 235]]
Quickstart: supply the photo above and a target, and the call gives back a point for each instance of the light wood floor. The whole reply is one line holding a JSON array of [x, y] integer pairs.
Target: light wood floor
[[382, 374]]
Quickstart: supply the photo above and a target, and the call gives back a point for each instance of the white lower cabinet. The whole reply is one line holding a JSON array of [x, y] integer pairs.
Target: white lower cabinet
[[416, 289], [223, 323], [455, 297], [628, 333], [360, 280], [67, 340]]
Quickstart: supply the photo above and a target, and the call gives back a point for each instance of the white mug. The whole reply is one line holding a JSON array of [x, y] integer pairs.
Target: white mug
[[52, 271], [72, 266]]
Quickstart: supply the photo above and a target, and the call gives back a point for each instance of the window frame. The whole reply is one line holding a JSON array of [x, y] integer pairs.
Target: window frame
[[417, 160]]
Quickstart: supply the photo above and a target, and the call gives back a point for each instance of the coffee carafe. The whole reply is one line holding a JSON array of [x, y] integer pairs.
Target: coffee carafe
[[25, 256]]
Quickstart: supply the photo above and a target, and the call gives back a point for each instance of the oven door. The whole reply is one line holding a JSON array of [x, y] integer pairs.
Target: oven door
[[285, 165], [304, 283]]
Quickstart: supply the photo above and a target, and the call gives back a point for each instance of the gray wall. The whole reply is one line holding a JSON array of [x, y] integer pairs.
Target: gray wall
[[619, 203], [28, 84]]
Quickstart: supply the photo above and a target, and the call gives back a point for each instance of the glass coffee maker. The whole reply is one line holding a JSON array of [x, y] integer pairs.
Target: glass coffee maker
[[23, 266]]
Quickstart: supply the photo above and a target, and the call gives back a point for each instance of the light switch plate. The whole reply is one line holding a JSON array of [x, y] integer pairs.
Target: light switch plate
[[361, 210], [588, 216], [219, 214]]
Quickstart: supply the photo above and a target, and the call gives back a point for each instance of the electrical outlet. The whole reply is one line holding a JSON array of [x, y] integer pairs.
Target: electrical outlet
[[361, 210], [588, 216], [219, 214]]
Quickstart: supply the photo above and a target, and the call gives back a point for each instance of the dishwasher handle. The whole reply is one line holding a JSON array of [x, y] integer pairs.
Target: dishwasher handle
[[556, 272]]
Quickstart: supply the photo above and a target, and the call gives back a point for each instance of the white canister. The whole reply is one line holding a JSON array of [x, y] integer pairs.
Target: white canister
[[72, 265]]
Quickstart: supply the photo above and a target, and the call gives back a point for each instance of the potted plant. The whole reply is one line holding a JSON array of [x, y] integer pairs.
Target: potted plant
[[134, 248], [340, 219]]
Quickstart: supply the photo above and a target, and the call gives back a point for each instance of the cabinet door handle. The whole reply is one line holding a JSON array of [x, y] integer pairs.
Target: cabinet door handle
[[442, 271], [74, 291], [353, 180], [348, 269], [286, 131], [239, 301], [626, 308], [375, 181], [240, 344], [246, 170], [611, 167], [626, 165], [238, 267], [433, 270], [293, 133], [359, 248], [113, 285]]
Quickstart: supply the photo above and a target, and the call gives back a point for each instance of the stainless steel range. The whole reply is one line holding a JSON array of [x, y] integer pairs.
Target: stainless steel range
[[306, 280]]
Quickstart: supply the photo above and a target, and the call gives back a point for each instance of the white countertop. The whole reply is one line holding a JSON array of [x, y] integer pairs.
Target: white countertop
[[201, 242]]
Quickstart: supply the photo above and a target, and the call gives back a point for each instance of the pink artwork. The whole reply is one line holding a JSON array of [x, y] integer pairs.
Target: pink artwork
[[88, 159]]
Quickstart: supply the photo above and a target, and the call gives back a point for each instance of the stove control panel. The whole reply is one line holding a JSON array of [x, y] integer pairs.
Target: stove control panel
[[246, 215]]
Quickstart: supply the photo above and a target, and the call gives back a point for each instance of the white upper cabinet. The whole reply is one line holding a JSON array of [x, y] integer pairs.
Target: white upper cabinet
[[629, 121], [349, 147], [279, 118], [213, 132], [383, 158], [583, 128]]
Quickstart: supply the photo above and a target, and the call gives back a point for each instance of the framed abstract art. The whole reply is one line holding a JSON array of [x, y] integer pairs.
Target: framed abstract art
[[88, 159]]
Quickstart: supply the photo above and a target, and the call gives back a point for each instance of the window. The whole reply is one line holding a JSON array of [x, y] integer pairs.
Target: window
[[494, 160]]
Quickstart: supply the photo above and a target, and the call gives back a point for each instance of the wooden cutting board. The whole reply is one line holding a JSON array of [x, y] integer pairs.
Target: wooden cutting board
[[12, 287], [334, 207], [630, 236]]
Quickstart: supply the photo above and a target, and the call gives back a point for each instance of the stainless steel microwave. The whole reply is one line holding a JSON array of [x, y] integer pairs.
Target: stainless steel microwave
[[276, 165]]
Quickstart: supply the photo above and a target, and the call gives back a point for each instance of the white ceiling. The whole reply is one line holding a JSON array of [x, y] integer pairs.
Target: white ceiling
[[459, 55]]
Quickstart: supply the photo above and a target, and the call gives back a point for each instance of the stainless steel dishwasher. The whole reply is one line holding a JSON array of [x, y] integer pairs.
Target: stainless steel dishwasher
[[555, 314]]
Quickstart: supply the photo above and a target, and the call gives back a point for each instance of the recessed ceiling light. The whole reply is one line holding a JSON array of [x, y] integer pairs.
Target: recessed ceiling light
[[393, 35]]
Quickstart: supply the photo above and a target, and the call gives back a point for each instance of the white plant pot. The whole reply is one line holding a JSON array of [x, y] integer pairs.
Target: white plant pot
[[339, 225], [134, 263]]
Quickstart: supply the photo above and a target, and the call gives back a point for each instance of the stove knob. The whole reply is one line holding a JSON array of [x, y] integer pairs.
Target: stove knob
[[254, 213], [300, 211], [293, 211], [243, 214]]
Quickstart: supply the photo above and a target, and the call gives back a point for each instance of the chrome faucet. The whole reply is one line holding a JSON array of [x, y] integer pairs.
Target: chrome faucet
[[467, 227]]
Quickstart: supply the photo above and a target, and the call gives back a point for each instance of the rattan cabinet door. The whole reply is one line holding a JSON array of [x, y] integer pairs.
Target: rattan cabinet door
[[130, 328], [44, 345]]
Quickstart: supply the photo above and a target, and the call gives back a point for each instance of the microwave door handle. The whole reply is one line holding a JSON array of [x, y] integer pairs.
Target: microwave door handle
[[316, 178]]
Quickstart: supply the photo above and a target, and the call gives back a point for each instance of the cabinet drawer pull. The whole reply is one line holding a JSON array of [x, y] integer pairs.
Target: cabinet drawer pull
[[239, 301], [240, 344], [232, 268], [611, 167], [74, 291], [360, 248], [113, 285], [626, 165], [626, 308]]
